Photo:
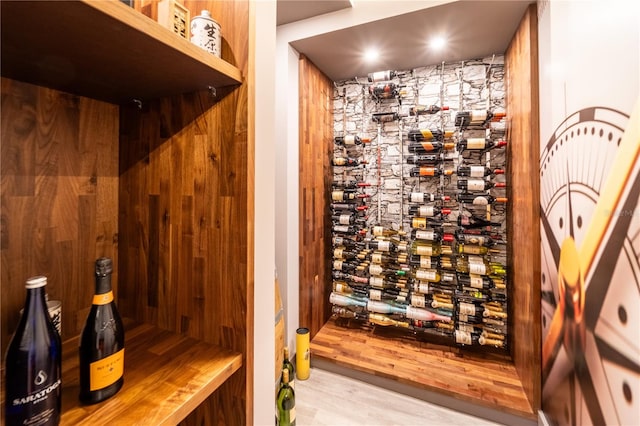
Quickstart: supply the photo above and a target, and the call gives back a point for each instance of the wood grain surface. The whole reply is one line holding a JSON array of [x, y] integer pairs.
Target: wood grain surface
[[523, 219], [315, 151], [480, 380], [59, 208]]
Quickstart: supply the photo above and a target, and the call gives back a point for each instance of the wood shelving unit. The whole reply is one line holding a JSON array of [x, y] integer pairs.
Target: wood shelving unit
[[81, 167], [71, 47]]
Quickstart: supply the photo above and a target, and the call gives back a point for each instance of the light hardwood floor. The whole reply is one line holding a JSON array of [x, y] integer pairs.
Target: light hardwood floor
[[331, 399]]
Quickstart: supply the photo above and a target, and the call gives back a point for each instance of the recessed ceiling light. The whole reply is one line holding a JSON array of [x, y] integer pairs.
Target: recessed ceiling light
[[438, 43], [371, 54]]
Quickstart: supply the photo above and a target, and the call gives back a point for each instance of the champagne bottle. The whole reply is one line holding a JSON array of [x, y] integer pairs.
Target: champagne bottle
[[477, 118], [478, 184], [426, 109], [33, 364], [288, 365], [102, 342], [345, 195], [386, 321], [428, 211], [345, 289], [429, 147], [482, 144], [385, 308], [350, 140], [477, 171], [424, 197], [424, 159], [375, 77], [479, 199], [286, 402], [429, 171], [418, 135], [348, 313], [348, 161]]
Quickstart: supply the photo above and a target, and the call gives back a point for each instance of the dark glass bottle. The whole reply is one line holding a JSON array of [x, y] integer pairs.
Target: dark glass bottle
[[426, 109], [350, 140], [429, 172], [479, 199], [478, 184], [470, 222], [347, 161], [477, 171], [375, 77], [428, 211], [481, 144], [418, 135], [422, 159], [102, 342], [288, 365], [477, 118], [33, 367], [426, 147]]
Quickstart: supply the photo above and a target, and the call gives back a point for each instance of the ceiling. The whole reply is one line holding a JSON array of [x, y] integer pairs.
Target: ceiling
[[473, 29]]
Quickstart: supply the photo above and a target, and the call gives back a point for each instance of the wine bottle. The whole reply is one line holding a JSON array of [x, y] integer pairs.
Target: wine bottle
[[385, 90], [343, 288], [381, 231], [482, 282], [475, 239], [387, 294], [375, 77], [345, 195], [424, 314], [376, 269], [478, 265], [426, 109], [425, 249], [350, 140], [478, 184], [477, 118], [344, 254], [477, 171], [379, 258], [349, 207], [344, 266], [472, 249], [425, 262], [424, 197], [343, 300], [385, 308], [422, 222], [286, 402], [288, 365], [472, 222], [424, 159], [429, 171], [382, 245], [33, 364], [434, 235], [431, 275], [349, 185], [481, 144], [347, 229], [384, 320], [102, 341], [348, 313], [418, 135], [338, 275], [428, 211], [429, 147], [479, 199], [347, 161], [466, 338]]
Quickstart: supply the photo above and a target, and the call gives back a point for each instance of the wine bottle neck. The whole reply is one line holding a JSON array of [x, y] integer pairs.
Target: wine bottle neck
[[103, 284]]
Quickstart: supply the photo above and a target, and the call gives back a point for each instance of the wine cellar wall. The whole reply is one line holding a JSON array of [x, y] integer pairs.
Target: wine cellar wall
[[418, 203]]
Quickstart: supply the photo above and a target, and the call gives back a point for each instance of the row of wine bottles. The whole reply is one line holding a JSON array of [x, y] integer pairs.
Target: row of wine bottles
[[33, 363]]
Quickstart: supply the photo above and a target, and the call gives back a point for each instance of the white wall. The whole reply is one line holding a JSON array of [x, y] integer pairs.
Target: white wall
[[287, 217], [264, 332]]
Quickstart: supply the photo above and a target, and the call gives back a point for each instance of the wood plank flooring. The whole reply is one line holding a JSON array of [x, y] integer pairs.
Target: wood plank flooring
[[439, 370], [331, 399]]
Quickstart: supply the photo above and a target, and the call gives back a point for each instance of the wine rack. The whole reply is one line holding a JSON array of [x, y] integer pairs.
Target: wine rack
[[428, 258]]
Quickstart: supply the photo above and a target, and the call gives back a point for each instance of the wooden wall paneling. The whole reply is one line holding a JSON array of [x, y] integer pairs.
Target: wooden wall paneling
[[523, 223], [315, 177], [186, 195], [59, 183]]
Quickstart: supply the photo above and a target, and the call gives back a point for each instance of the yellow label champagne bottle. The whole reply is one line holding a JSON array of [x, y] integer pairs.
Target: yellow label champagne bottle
[[102, 342]]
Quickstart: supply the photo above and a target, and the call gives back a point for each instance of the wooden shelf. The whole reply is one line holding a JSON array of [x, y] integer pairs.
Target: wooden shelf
[[166, 376], [103, 50]]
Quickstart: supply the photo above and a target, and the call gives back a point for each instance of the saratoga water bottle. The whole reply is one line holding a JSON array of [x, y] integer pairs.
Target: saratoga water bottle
[[33, 391]]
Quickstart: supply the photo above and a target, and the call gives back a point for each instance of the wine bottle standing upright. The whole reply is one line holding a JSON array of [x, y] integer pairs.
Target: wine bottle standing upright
[[102, 342], [33, 391], [286, 402], [286, 363]]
